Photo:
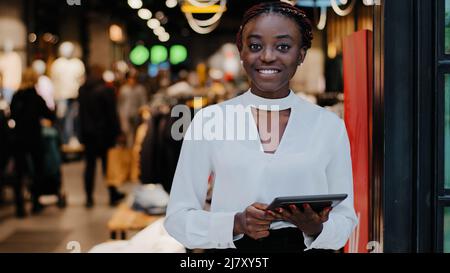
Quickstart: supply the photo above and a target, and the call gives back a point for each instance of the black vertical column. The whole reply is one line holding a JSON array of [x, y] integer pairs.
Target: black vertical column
[[399, 63], [424, 86], [409, 110]]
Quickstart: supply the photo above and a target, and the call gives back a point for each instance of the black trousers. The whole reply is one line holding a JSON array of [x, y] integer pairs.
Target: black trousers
[[92, 153], [28, 160], [285, 240]]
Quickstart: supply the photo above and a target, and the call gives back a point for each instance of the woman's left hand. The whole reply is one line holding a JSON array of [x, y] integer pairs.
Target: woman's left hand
[[308, 221]]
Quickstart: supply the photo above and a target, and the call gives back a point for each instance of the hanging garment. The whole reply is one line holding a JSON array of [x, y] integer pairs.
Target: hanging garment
[[136, 151], [67, 76], [11, 72], [131, 98], [44, 88]]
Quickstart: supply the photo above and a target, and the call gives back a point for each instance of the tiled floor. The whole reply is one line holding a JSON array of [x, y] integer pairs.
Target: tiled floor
[[55, 229]]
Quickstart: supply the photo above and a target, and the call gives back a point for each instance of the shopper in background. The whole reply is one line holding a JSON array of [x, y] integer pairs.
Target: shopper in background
[[132, 96], [4, 115], [309, 155], [27, 111], [5, 148], [100, 129]]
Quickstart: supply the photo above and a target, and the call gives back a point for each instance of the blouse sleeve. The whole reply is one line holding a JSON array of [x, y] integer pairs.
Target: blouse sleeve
[[342, 219], [186, 220]]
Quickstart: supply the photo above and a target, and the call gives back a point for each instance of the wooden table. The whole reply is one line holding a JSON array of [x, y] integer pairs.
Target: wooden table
[[126, 219]]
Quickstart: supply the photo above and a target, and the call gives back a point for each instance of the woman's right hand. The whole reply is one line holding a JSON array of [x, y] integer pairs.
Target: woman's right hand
[[254, 221]]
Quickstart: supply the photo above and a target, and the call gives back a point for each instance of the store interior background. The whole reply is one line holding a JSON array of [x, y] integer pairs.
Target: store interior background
[[104, 33]]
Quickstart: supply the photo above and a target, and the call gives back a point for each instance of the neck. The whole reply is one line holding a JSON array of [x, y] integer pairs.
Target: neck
[[272, 95], [281, 102]]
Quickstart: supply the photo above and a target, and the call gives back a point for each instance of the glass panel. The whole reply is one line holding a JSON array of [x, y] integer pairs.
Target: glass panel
[[447, 230], [447, 26], [447, 132]]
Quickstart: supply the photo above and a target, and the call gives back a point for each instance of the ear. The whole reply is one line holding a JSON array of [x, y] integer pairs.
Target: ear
[[302, 55]]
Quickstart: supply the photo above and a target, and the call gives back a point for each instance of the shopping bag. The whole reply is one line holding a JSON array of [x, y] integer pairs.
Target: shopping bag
[[118, 166]]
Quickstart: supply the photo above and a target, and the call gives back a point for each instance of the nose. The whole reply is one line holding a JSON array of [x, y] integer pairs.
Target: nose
[[267, 55]]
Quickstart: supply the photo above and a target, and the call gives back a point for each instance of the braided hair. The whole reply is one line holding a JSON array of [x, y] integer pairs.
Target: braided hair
[[282, 8]]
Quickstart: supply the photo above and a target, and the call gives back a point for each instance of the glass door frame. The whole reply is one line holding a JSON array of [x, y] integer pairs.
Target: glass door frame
[[409, 127], [442, 194]]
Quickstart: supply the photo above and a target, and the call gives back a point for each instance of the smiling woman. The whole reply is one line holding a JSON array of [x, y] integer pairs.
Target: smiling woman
[[302, 149]]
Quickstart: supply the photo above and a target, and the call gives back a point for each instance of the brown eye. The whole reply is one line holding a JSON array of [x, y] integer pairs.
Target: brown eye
[[254, 47], [284, 48]]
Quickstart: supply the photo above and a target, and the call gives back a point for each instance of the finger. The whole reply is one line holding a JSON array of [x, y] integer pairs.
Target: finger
[[271, 215], [308, 211], [284, 213], [260, 206], [258, 222], [324, 215], [275, 215], [258, 213], [297, 213], [294, 209], [325, 211]]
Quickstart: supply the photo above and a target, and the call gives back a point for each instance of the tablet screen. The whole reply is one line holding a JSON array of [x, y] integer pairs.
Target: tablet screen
[[317, 202]]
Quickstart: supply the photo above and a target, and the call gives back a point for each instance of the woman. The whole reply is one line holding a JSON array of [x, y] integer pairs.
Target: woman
[[28, 109], [305, 152]]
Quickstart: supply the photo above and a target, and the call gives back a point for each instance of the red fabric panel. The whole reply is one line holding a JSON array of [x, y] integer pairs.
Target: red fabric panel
[[357, 62]]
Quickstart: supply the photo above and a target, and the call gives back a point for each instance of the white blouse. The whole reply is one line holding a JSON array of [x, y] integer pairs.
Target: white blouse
[[313, 157]]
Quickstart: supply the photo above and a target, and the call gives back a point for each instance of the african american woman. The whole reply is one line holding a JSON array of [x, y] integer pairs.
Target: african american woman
[[265, 143]]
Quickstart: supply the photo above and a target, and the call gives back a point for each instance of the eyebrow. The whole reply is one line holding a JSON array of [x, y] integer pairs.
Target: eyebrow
[[283, 36]]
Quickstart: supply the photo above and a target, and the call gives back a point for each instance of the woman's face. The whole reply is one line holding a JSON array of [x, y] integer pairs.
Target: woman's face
[[271, 52]]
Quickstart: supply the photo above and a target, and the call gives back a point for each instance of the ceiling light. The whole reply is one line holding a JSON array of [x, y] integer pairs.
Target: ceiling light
[[164, 37], [153, 23], [145, 14], [159, 30], [171, 3], [135, 4], [116, 33]]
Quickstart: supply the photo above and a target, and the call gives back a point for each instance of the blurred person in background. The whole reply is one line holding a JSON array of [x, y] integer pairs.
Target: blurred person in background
[[132, 95], [27, 110], [4, 137], [100, 129]]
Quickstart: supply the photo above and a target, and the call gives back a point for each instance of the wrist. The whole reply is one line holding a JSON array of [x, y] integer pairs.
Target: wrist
[[237, 227], [314, 232]]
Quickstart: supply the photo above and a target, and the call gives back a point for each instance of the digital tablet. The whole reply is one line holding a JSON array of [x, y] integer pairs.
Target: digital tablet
[[317, 202]]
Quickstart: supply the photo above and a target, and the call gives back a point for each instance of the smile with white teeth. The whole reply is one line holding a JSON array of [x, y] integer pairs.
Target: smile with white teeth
[[268, 71]]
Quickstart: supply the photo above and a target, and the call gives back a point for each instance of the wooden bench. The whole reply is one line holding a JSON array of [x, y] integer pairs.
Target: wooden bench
[[126, 219]]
